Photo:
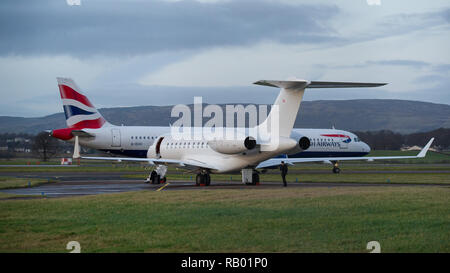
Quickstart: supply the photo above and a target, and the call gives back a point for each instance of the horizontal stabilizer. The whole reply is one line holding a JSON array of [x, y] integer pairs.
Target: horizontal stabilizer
[[301, 84], [292, 84], [317, 84]]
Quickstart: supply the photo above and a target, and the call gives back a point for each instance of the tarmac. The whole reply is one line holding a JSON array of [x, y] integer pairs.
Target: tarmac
[[76, 184]]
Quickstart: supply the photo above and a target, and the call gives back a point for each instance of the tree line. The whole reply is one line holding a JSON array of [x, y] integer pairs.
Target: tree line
[[388, 140]]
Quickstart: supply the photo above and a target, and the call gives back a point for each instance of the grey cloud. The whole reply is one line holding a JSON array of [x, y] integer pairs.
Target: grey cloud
[[427, 79], [135, 27], [399, 63], [401, 24], [410, 63], [441, 68], [446, 15]]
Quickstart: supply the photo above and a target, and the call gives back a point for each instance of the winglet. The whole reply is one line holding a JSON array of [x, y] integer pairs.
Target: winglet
[[424, 151]]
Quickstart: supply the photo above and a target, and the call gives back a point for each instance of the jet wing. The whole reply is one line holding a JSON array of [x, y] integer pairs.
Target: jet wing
[[277, 161], [188, 164]]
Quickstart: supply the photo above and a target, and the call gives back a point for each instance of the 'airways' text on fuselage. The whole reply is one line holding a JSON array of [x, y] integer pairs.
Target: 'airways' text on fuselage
[[325, 144]]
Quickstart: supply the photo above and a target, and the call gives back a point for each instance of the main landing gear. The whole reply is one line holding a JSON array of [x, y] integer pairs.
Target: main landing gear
[[250, 177], [158, 175], [336, 167], [203, 179]]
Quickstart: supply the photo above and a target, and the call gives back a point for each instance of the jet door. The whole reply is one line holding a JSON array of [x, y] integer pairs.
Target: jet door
[[115, 137], [158, 147]]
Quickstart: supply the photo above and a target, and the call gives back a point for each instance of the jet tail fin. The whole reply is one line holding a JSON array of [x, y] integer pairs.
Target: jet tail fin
[[80, 112]]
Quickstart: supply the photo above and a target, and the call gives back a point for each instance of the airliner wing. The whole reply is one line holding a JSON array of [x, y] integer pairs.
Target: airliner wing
[[188, 164], [277, 161]]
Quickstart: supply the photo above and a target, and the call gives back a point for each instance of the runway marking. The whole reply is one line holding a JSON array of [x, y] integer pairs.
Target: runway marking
[[163, 187]]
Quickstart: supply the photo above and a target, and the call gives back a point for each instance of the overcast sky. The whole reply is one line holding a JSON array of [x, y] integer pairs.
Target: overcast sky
[[164, 52]]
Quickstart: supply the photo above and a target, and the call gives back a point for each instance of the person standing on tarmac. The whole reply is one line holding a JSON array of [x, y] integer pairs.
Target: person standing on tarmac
[[284, 170]]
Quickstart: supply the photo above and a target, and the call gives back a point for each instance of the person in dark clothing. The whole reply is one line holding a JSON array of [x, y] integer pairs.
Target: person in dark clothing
[[284, 170]]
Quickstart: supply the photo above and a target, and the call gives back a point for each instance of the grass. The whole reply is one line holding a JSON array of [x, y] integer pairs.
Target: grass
[[13, 182], [402, 219]]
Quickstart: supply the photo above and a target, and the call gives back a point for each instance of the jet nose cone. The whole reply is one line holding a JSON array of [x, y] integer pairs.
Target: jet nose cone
[[365, 147]]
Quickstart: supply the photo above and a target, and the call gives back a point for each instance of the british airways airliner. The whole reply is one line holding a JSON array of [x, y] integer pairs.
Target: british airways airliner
[[153, 144]]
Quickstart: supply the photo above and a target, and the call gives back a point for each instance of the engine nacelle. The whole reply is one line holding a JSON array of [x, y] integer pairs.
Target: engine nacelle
[[232, 146], [303, 143]]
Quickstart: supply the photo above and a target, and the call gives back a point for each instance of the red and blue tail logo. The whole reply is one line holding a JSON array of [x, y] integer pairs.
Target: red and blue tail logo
[[80, 112], [346, 139]]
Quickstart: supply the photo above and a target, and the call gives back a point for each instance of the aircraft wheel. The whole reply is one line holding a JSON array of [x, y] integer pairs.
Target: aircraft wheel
[[199, 179], [153, 177], [164, 180], [255, 179], [207, 178], [158, 179], [336, 170]]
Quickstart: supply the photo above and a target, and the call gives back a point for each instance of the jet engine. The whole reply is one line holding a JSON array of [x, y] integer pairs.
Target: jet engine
[[303, 143], [232, 146]]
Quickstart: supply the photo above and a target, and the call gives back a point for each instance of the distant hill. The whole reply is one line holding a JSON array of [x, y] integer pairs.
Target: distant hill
[[355, 115]]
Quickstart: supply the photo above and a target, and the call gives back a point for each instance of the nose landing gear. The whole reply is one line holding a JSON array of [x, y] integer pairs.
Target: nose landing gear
[[336, 168], [158, 175]]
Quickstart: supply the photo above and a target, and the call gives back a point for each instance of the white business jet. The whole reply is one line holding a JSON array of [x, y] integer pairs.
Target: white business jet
[[207, 151]]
